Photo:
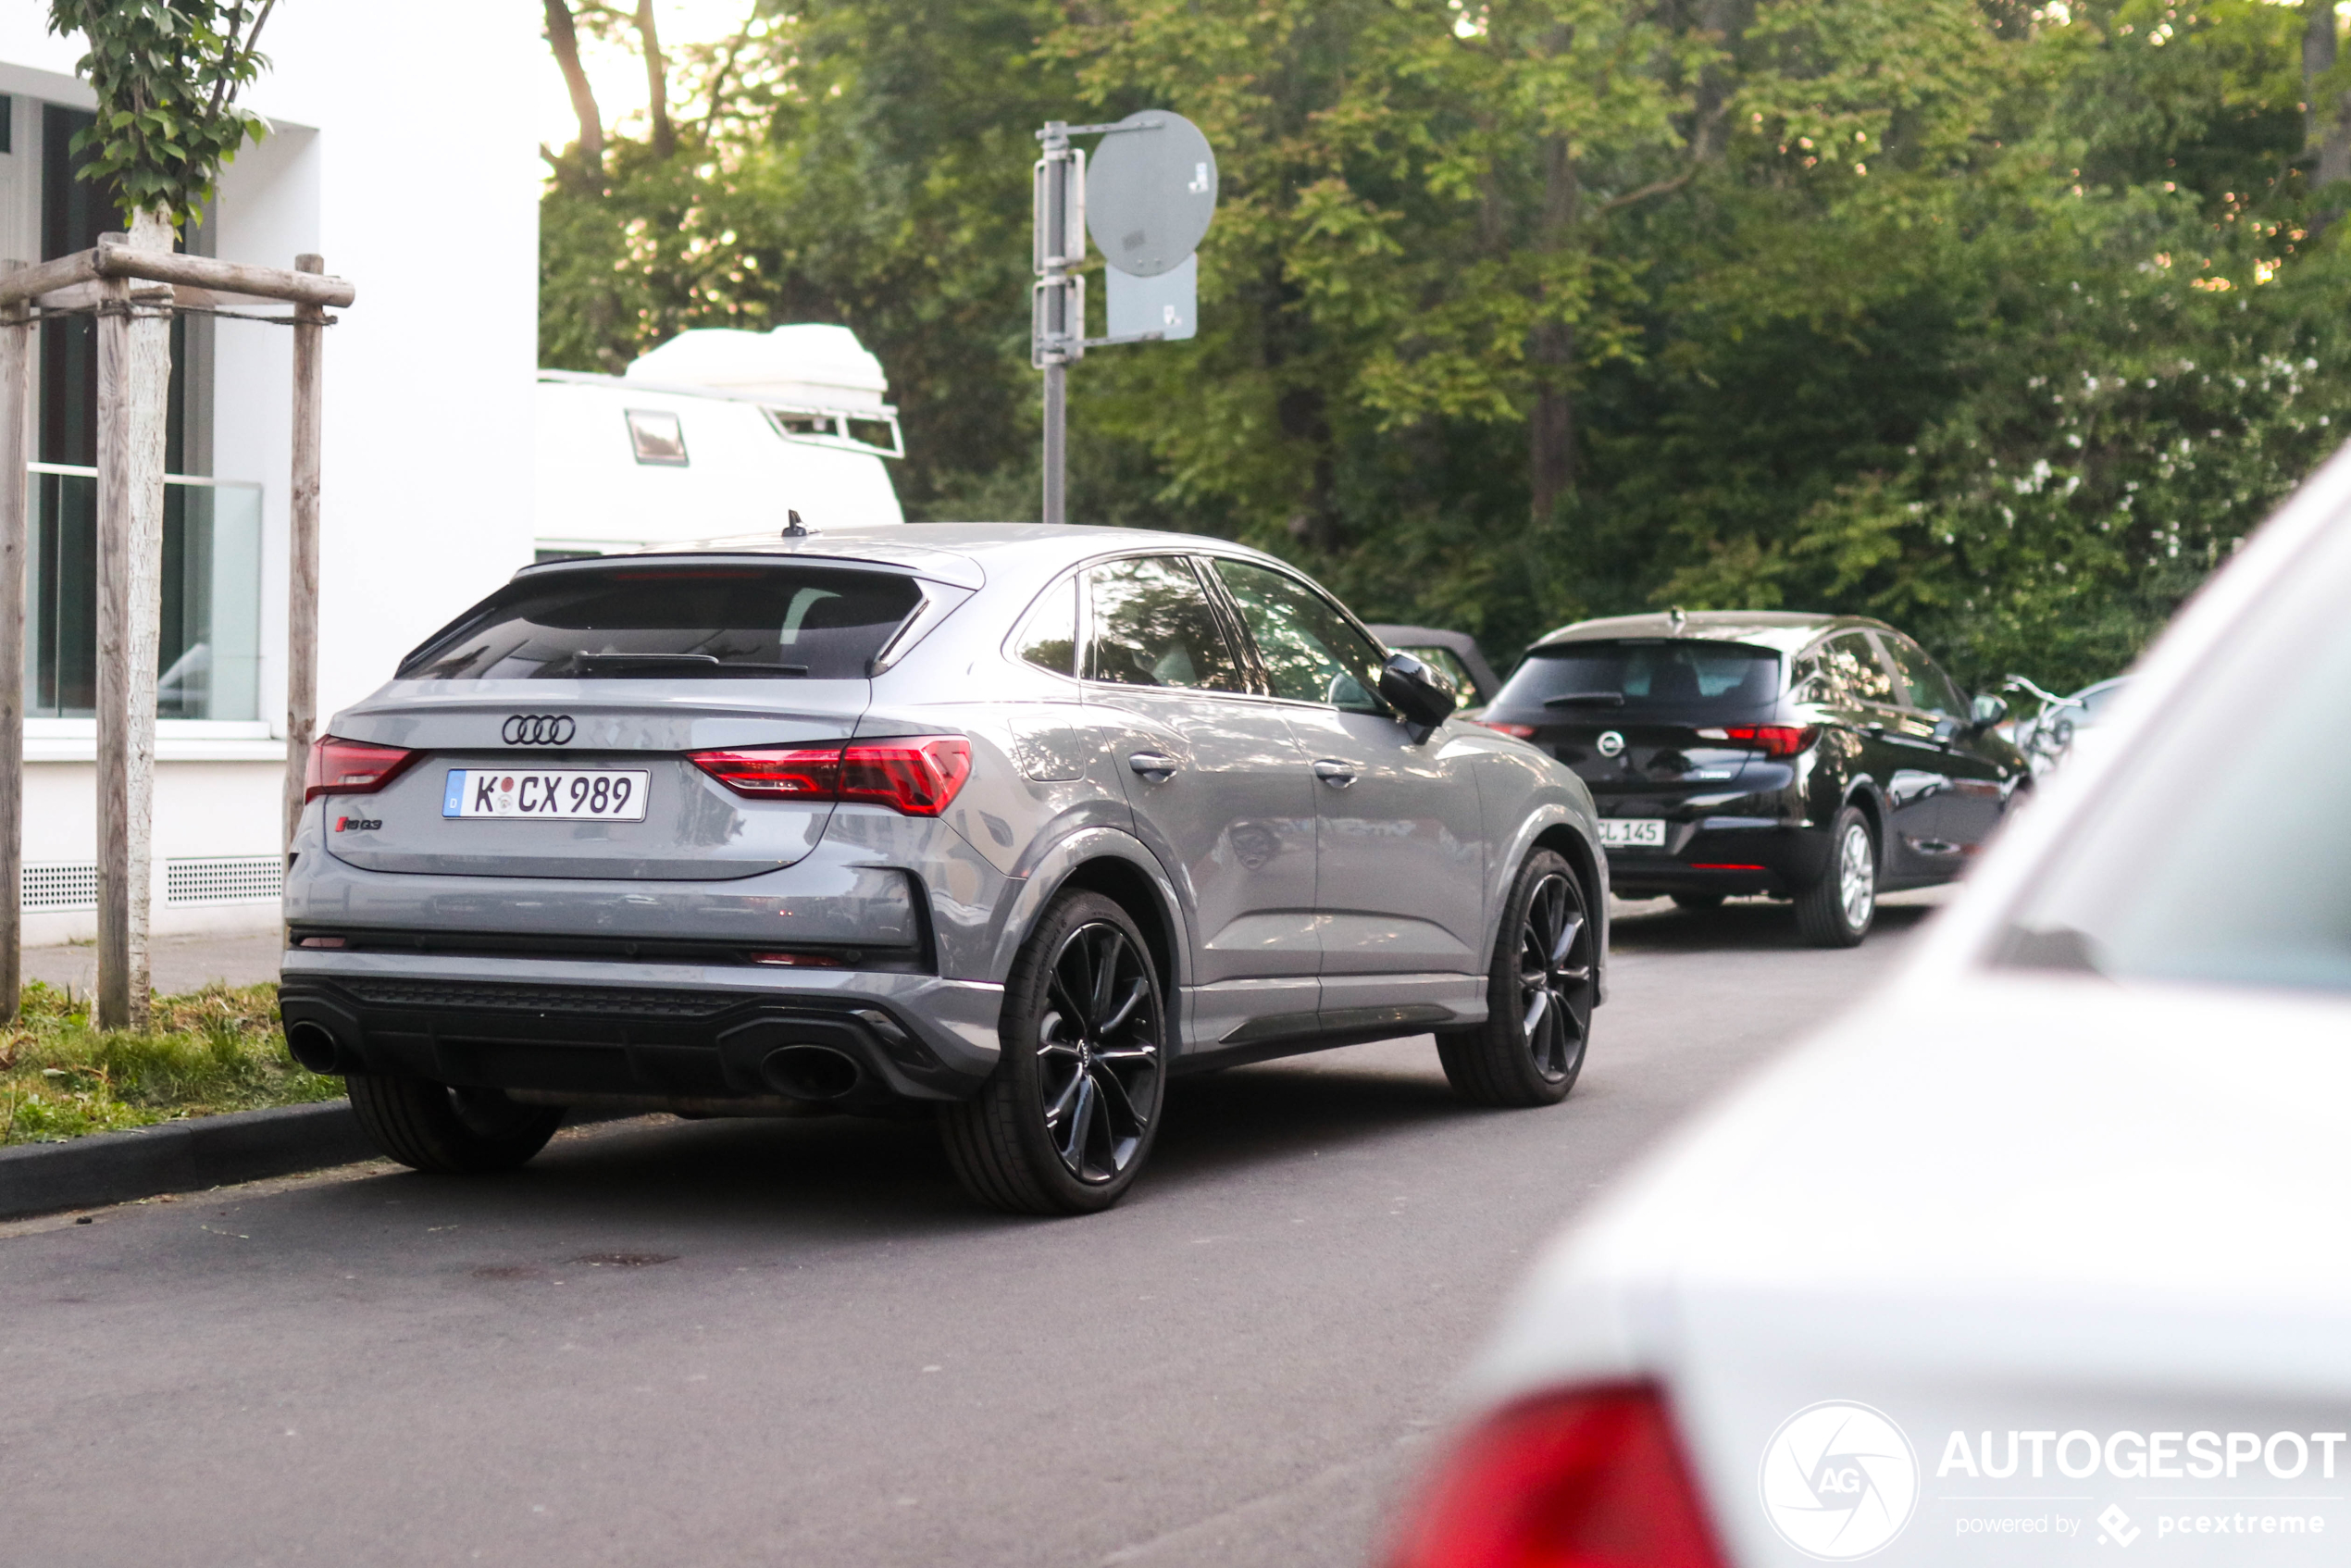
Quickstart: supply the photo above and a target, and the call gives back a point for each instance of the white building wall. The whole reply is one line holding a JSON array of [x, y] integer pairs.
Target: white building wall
[[404, 155]]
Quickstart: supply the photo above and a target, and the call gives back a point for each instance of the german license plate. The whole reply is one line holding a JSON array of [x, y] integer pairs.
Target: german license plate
[[560, 793], [1632, 833]]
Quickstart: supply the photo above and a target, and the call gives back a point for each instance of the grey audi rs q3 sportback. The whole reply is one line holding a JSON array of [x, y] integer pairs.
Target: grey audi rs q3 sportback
[[1009, 822]]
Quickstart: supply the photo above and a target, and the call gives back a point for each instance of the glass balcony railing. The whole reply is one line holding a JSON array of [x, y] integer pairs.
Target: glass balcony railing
[[208, 663]]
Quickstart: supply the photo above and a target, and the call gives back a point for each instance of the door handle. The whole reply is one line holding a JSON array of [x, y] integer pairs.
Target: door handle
[[1338, 775], [1157, 766]]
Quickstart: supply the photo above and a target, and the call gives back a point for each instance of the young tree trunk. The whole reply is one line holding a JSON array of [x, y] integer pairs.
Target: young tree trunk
[[564, 38], [2327, 121], [657, 82], [15, 402], [134, 380], [302, 552]]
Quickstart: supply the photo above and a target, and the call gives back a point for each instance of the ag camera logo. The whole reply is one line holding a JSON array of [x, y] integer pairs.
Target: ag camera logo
[[1839, 1481]]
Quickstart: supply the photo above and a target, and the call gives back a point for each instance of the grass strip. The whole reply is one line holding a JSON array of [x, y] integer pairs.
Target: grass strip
[[216, 1049]]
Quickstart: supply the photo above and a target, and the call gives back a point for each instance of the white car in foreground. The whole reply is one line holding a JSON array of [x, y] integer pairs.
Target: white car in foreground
[[2042, 1254]]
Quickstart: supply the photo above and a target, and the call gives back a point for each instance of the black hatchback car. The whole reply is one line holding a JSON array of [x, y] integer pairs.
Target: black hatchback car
[[1818, 758]]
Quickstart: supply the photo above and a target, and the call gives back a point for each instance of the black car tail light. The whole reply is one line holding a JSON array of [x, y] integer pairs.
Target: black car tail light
[[1772, 739], [1588, 1479], [1517, 732]]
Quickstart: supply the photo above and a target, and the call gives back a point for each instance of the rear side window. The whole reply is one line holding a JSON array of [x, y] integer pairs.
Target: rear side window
[[786, 621], [1686, 677]]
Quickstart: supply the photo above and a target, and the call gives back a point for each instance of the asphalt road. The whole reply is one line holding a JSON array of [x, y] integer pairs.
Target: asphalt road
[[772, 1343]]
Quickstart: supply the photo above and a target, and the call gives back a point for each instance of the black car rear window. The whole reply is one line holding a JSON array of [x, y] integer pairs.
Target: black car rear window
[[1688, 677], [789, 620]]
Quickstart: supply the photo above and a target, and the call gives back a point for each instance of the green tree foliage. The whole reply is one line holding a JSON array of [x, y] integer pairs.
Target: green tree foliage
[[166, 74], [2005, 323]]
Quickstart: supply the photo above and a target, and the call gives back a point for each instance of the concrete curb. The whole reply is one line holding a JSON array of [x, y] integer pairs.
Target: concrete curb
[[115, 1167]]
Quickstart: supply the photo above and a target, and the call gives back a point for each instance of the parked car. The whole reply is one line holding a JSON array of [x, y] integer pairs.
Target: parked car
[[1008, 821], [2049, 734], [2035, 1253], [1455, 653], [1817, 758]]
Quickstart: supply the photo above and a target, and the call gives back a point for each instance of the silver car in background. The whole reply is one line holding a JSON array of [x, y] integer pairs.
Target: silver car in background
[[1008, 821]]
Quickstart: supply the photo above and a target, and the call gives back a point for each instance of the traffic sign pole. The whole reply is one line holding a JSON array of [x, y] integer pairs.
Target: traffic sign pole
[[1161, 196]]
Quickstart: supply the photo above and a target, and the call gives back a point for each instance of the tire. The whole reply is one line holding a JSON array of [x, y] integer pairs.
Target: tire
[[1539, 996], [1838, 910], [448, 1131], [1697, 903], [1067, 1120]]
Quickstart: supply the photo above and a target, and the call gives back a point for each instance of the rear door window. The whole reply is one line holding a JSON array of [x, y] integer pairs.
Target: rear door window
[[1153, 625], [645, 622], [1686, 677], [1853, 665]]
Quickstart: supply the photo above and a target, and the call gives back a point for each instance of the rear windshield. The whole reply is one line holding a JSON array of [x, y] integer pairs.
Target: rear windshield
[[1687, 678], [787, 621]]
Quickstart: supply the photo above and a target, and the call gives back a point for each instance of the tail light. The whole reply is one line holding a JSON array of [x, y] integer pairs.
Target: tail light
[[338, 767], [806, 773], [1772, 739], [1517, 732], [1591, 1480], [916, 776]]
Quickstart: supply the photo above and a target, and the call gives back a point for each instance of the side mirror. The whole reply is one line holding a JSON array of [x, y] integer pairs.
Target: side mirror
[[1423, 696], [1989, 709]]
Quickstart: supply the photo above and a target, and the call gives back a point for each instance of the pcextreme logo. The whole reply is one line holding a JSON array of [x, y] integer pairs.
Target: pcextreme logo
[[1839, 1481]]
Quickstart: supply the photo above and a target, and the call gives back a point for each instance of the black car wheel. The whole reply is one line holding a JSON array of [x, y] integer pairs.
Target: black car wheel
[[1069, 1116], [1836, 911], [1539, 996], [448, 1131]]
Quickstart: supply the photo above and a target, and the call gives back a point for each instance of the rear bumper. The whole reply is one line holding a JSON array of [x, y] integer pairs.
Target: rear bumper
[[1725, 855], [677, 1031]]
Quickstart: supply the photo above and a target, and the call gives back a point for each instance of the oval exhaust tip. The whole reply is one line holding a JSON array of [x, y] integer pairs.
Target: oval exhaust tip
[[810, 1071], [314, 1046]]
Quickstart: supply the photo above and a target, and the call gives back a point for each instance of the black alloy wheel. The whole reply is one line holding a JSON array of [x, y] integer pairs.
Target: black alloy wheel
[[1539, 996], [1065, 1123]]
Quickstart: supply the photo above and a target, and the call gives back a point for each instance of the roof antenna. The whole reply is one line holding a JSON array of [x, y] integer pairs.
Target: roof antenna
[[792, 530], [1677, 615]]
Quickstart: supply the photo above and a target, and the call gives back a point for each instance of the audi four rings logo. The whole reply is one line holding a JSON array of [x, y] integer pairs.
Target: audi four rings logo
[[538, 729]]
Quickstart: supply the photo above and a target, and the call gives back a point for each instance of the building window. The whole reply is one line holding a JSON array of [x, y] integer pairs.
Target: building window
[[208, 655], [657, 438]]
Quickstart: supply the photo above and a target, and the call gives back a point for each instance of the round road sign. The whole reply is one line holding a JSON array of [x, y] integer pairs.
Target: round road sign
[[1150, 193]]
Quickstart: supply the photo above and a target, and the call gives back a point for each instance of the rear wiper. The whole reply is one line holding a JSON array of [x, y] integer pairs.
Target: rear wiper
[[1586, 700], [683, 664]]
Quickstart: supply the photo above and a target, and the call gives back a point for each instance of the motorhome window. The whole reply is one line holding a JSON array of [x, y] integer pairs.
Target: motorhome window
[[657, 438], [791, 621], [803, 424]]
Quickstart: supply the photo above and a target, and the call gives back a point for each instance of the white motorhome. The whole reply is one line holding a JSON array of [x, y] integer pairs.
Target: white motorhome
[[717, 431]]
